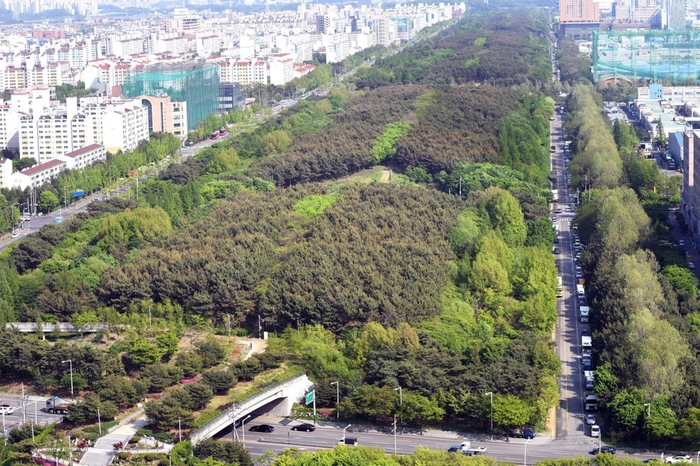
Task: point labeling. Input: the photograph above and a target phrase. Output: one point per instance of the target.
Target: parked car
(526, 432)
(595, 431)
(306, 427)
(679, 459)
(681, 243)
(590, 419)
(262, 428)
(603, 449)
(585, 333)
(557, 251)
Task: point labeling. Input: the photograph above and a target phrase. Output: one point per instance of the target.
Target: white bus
(559, 287)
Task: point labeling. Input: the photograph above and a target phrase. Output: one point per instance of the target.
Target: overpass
(276, 399)
(48, 327)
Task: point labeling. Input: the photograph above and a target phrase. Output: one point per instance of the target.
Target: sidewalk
(102, 453)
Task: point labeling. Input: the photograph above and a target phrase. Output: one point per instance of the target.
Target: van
(585, 312)
(580, 291)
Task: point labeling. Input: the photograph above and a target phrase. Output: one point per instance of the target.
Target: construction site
(647, 54)
(196, 83)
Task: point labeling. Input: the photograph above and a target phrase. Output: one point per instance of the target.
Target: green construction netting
(196, 84)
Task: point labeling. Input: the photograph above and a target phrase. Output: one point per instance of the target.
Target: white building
(5, 173)
(38, 175)
(84, 156)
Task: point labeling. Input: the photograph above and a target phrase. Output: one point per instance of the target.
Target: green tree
(142, 352)
(418, 409)
(220, 381)
(210, 350)
(23, 163)
(200, 393)
(681, 279)
(628, 408)
(510, 411)
(190, 362)
(48, 201)
(506, 216)
(660, 135)
(167, 343)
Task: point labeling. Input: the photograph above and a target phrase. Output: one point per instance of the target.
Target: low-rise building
(84, 156)
(38, 174)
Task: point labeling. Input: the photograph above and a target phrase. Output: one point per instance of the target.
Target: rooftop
(83, 150)
(42, 167)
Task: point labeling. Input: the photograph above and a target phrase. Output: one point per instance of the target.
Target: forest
(439, 279)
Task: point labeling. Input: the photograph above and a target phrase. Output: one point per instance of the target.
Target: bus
(560, 288)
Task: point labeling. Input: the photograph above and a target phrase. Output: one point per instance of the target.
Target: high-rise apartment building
(674, 11)
(578, 11)
(323, 24)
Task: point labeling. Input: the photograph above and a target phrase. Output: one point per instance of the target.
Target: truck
(56, 405)
(585, 312)
(555, 195)
(469, 450)
(591, 406)
(580, 291)
(586, 342)
(525, 432)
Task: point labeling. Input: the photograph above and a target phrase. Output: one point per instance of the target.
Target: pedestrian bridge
(276, 399)
(48, 327)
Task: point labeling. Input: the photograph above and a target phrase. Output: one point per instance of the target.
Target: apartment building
(124, 126)
(5, 173)
(165, 116)
(83, 157)
(38, 174)
(281, 69)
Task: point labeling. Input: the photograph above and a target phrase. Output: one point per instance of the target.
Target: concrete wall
(48, 327)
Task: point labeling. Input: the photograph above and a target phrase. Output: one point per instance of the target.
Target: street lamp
(394, 433)
(70, 362)
(525, 458)
(337, 399)
(400, 403)
(491, 395)
(243, 428)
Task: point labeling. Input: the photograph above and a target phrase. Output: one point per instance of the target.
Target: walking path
(102, 453)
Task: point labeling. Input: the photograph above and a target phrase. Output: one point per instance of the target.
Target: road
(33, 407)
(571, 416)
(328, 436)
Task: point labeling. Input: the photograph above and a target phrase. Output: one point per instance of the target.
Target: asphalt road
(33, 410)
(571, 416)
(327, 437)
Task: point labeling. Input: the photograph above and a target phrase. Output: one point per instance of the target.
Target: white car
(679, 459)
(681, 243)
(6, 409)
(691, 265)
(595, 431)
(590, 419)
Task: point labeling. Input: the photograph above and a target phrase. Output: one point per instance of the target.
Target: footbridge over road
(276, 399)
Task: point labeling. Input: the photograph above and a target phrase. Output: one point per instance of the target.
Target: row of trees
(643, 295)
